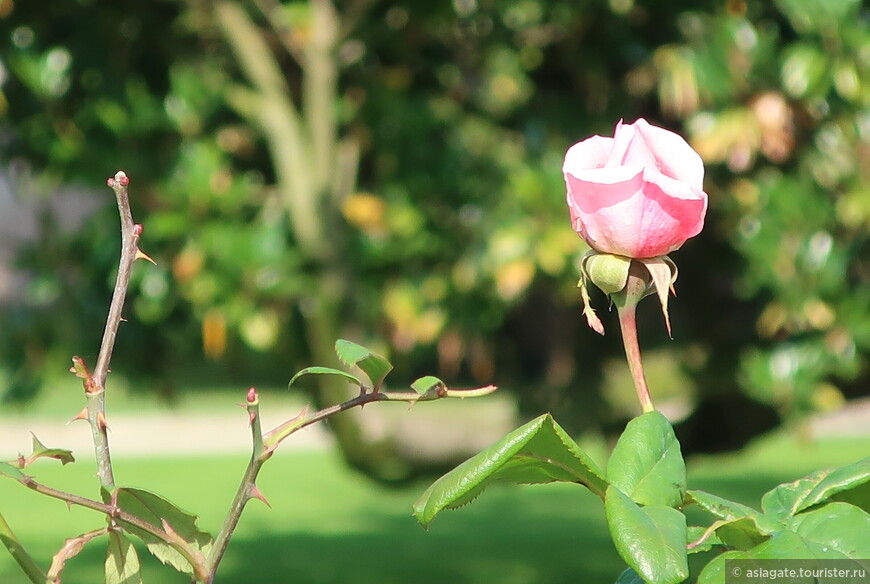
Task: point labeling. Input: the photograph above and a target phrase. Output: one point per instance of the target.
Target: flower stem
(628, 325)
(636, 287)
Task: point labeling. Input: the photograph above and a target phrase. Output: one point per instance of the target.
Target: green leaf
(859, 497)
(122, 561)
(758, 525)
(650, 539)
(839, 529)
(790, 498)
(629, 576)
(741, 534)
(41, 451)
(714, 571)
(7, 470)
(836, 531)
(156, 510)
(427, 384)
(374, 366)
(694, 533)
(538, 452)
(721, 508)
(647, 464)
(324, 371)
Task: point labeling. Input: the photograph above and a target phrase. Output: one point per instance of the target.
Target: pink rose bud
(639, 194)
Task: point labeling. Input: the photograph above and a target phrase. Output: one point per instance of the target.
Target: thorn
(82, 415)
(141, 255)
(122, 319)
(168, 528)
(255, 493)
(101, 422)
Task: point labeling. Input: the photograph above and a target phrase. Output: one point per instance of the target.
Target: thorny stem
(246, 489)
(95, 391)
(24, 559)
(264, 446)
(113, 511)
(278, 434)
(96, 409)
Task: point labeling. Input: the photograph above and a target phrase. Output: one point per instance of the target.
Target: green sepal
(607, 271)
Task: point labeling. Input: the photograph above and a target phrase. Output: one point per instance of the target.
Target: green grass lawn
(330, 525)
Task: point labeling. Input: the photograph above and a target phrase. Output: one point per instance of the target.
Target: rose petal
(630, 148)
(672, 155)
(592, 203)
(590, 153)
(638, 194)
(640, 216)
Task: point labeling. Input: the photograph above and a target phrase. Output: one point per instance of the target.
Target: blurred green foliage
(438, 200)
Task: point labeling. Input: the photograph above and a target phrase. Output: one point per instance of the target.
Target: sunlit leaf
(836, 531)
(122, 561)
(539, 452)
(324, 371)
(650, 539)
(157, 510)
(647, 464)
(731, 511)
(374, 366)
(41, 451)
(790, 498)
(425, 384)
